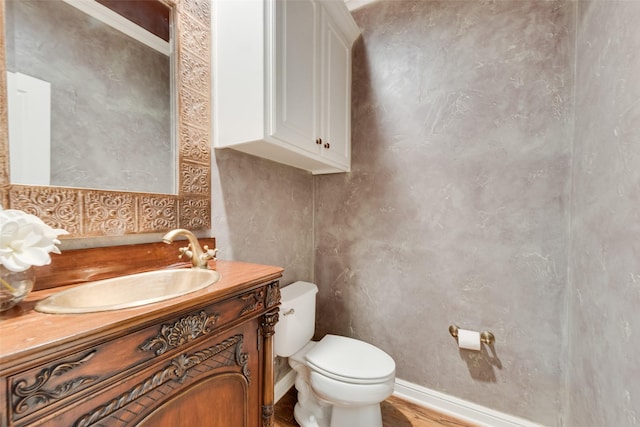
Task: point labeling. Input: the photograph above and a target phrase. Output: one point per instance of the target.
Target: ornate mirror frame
(88, 212)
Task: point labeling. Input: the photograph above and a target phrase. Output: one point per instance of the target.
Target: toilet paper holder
(486, 337)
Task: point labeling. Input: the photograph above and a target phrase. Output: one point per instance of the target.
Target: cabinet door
(218, 401)
(295, 90)
(335, 69)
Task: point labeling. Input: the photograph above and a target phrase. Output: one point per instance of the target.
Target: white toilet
(340, 381)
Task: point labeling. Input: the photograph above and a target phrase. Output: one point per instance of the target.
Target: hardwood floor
(395, 413)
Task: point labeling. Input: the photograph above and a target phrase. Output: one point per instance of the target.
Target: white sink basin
(128, 291)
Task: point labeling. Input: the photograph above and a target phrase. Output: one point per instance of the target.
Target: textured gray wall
(457, 209)
(604, 387)
(263, 213)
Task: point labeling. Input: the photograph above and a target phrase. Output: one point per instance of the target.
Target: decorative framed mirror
(96, 211)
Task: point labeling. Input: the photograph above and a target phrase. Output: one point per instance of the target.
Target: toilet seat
(351, 361)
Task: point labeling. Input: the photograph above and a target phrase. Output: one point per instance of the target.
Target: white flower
(25, 240)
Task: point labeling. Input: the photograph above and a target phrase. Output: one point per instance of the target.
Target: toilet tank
(297, 319)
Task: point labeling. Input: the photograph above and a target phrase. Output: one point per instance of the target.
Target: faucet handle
(186, 252)
(209, 253)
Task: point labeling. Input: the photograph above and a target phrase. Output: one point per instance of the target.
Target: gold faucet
(198, 256)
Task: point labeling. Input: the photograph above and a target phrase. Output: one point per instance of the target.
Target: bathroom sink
(128, 291)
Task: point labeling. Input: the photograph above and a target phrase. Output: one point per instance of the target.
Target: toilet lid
(351, 360)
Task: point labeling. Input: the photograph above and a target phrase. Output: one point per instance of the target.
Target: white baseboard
(431, 399)
(458, 408)
(284, 385)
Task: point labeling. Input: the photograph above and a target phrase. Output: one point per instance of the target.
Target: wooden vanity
(203, 359)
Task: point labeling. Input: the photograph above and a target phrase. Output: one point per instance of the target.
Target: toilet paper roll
(469, 340)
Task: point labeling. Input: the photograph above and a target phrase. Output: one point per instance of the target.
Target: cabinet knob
(327, 145)
(319, 141)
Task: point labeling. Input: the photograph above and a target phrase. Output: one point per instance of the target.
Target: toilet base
(367, 416)
(360, 416)
(309, 411)
(307, 419)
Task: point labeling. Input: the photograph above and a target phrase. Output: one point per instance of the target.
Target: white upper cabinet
(282, 81)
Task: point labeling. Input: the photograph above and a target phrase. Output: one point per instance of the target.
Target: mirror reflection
(89, 101)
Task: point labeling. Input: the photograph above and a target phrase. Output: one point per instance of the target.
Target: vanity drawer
(57, 383)
(52, 384)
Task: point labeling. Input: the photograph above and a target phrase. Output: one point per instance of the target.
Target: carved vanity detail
(181, 332)
(200, 360)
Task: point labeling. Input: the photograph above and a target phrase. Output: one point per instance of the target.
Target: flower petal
(25, 240)
(33, 256)
(13, 264)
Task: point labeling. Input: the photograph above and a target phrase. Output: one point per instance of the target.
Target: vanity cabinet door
(221, 391)
(195, 406)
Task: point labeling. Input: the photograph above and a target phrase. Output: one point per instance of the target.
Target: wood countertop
(28, 334)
